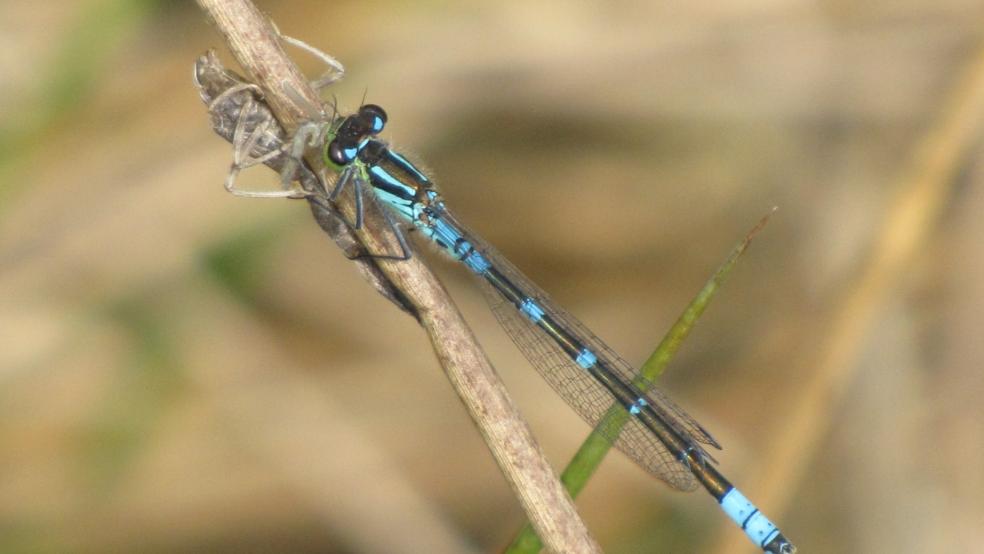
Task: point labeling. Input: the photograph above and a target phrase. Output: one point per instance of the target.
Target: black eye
(341, 155)
(374, 116)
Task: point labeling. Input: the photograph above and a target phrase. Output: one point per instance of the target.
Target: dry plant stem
(254, 44)
(924, 186)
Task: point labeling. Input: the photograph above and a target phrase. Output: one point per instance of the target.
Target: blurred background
(186, 371)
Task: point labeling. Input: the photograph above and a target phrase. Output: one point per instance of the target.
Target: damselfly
(589, 375)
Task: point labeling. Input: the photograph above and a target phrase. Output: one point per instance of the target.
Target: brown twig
(255, 45)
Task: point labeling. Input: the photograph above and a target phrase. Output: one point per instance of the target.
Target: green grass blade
(589, 456)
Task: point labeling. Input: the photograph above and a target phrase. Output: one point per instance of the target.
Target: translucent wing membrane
(585, 395)
(579, 389)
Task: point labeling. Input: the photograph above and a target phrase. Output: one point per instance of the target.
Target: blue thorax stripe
(405, 165)
(381, 179)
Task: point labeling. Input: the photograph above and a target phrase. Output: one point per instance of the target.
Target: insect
(589, 375)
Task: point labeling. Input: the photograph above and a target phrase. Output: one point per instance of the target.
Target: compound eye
(374, 116)
(341, 155)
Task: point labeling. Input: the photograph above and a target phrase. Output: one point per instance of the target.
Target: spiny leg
(348, 174)
(335, 68)
(351, 174)
(243, 144)
(308, 135)
(405, 252)
(237, 88)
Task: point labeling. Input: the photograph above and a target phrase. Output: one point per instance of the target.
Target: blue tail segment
(745, 514)
(758, 527)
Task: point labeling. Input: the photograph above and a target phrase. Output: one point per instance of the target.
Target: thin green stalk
(596, 446)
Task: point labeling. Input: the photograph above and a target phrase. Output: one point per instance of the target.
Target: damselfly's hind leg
(351, 175)
(348, 175)
(405, 252)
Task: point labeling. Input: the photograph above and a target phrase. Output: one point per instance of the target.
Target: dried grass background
(181, 370)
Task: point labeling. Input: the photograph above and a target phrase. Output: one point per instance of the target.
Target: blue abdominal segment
(749, 518)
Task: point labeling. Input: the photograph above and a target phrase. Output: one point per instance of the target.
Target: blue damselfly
(588, 374)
